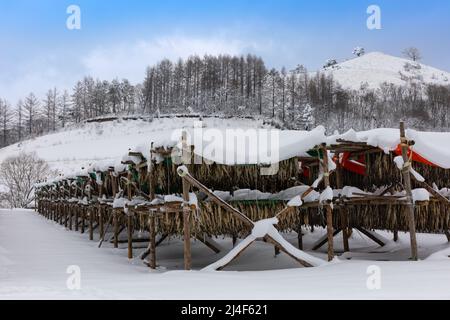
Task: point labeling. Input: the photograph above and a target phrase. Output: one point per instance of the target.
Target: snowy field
(35, 254)
(70, 149)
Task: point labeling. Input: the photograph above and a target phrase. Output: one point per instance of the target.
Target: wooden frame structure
(114, 201)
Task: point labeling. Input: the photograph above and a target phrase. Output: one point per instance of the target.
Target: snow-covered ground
(375, 68)
(70, 149)
(35, 254)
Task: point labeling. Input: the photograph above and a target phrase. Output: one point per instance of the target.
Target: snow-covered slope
(71, 149)
(376, 68)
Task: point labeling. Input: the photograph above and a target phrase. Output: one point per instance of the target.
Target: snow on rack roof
(433, 146)
(240, 146)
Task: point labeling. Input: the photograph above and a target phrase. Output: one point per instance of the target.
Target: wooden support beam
(152, 244)
(61, 213)
(324, 239)
(371, 236)
(151, 175)
(277, 250)
(186, 157)
(186, 226)
(395, 235)
(70, 209)
(277, 244)
(100, 220)
(241, 246)
(300, 236)
(116, 227)
(233, 241)
(83, 219)
(343, 210)
(209, 243)
(326, 179)
(102, 237)
(129, 215)
(407, 183)
(76, 208)
(130, 235)
(158, 242)
(65, 215)
(91, 223)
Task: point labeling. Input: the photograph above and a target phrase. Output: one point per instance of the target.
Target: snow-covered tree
(412, 53)
(359, 51)
(330, 63)
(307, 117)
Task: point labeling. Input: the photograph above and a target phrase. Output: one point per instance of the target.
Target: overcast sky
(120, 38)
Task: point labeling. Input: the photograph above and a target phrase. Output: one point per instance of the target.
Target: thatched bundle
(432, 217)
(229, 178)
(381, 170)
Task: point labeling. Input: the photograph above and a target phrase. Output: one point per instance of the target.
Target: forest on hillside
(230, 85)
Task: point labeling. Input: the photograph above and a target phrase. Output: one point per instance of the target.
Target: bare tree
(30, 107)
(19, 174)
(64, 104)
(412, 53)
(6, 116)
(19, 116)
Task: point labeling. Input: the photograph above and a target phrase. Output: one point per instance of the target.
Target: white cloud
(37, 75)
(63, 69)
(130, 60)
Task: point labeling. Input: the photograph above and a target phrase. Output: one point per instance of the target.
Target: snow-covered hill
(376, 68)
(70, 149)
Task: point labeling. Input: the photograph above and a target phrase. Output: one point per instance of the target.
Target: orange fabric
(415, 156)
(359, 166)
(356, 166)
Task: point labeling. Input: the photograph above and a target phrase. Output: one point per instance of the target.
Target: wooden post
(277, 250)
(129, 218)
(343, 210)
(76, 207)
(151, 175)
(186, 210)
(326, 179)
(130, 234)
(83, 218)
(91, 223)
(100, 219)
(409, 199)
(65, 215)
(152, 244)
(60, 210)
(70, 208)
(447, 234)
(395, 235)
(151, 221)
(116, 228)
(300, 236)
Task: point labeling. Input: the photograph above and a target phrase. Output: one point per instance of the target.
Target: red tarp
(359, 166)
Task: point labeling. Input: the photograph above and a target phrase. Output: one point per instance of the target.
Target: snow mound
(375, 68)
